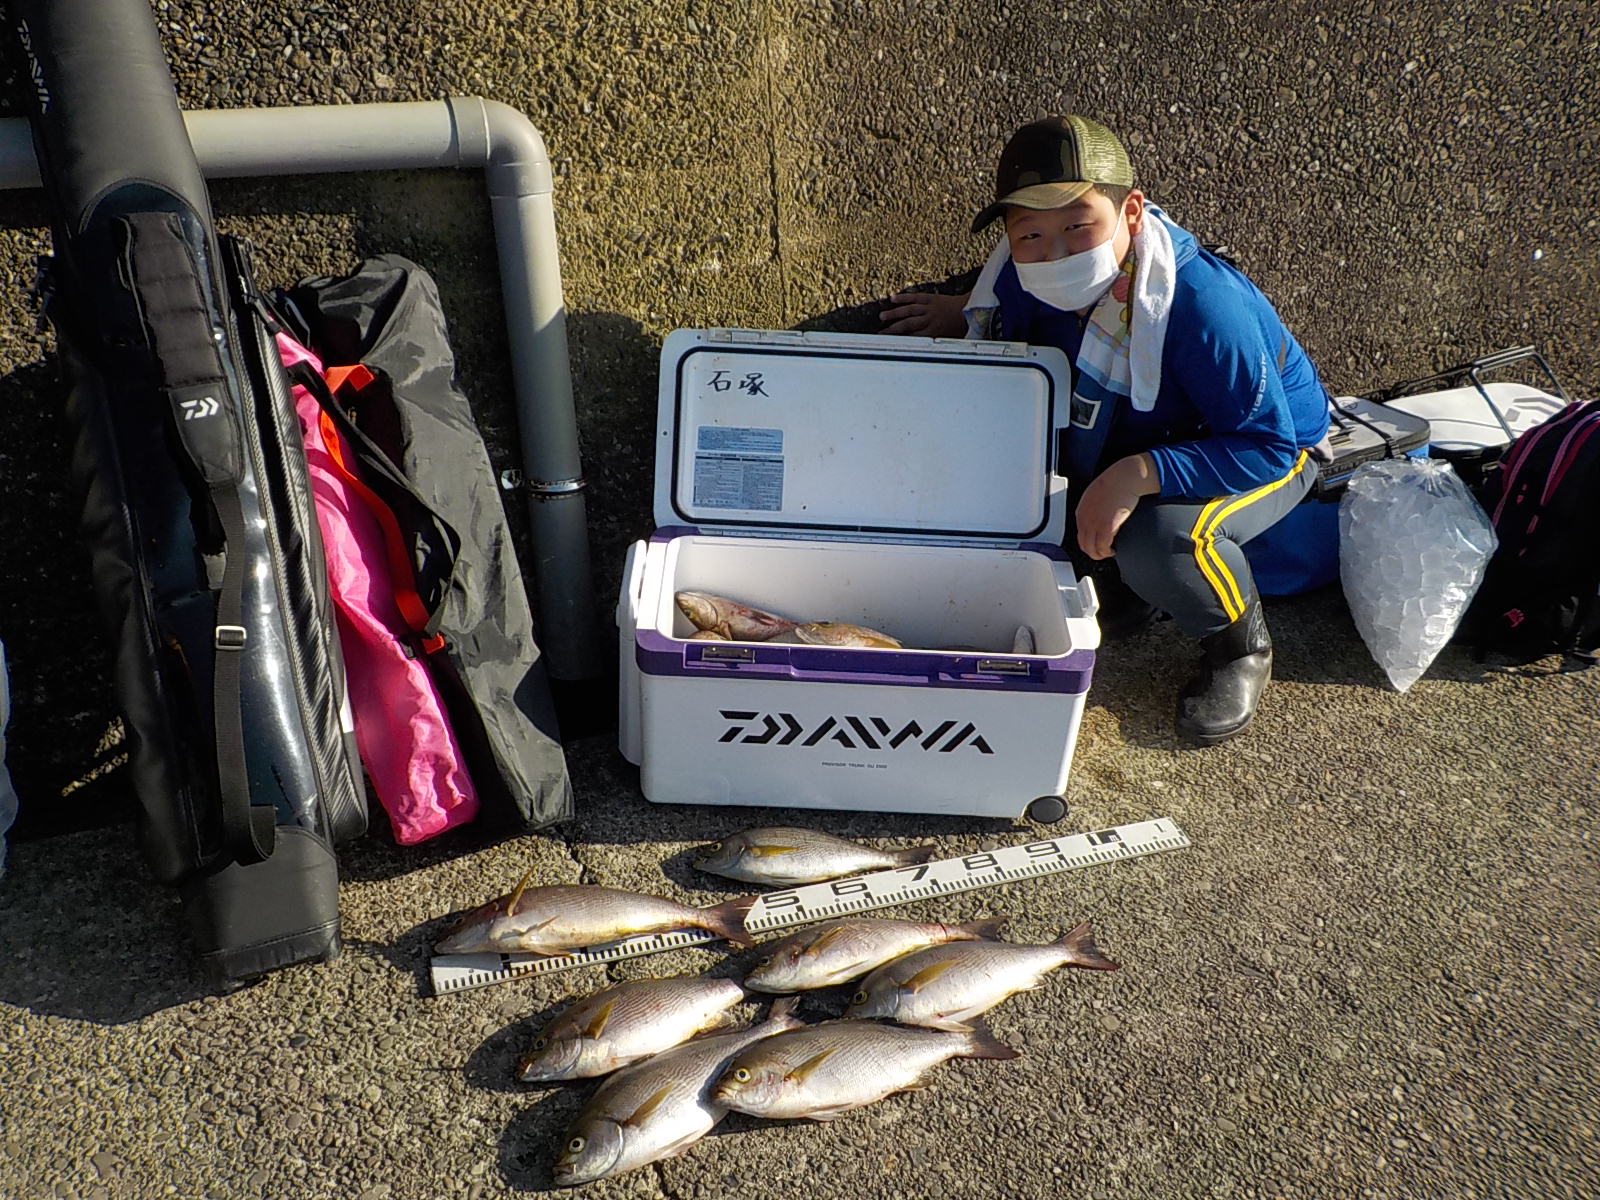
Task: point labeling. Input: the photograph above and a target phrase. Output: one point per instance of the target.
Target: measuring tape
(841, 897)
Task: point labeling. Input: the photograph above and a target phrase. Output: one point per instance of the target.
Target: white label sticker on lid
(732, 439)
(738, 467)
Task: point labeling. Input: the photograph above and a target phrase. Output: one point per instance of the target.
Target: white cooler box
(905, 484)
(1472, 423)
(1469, 420)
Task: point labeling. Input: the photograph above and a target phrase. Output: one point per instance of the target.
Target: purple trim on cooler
(1050, 550)
(658, 654)
(665, 533)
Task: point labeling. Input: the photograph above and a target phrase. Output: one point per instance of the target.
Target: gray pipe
(464, 132)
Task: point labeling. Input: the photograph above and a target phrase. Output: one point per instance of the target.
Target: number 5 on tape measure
(841, 897)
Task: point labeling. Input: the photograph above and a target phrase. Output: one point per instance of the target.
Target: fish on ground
(555, 918)
(624, 1023)
(735, 621)
(824, 1070)
(844, 635)
(657, 1108)
(846, 948)
(944, 987)
(786, 855)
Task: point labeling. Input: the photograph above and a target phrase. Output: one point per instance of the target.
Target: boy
(1196, 419)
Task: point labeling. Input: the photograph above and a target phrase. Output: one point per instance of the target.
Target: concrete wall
(1412, 184)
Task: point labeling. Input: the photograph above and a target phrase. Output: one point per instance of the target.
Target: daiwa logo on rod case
(853, 733)
(35, 71)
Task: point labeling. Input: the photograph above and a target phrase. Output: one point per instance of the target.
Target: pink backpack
(406, 744)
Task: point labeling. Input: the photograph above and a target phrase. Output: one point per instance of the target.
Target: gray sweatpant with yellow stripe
(1183, 555)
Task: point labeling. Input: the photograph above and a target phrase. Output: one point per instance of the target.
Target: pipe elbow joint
(505, 143)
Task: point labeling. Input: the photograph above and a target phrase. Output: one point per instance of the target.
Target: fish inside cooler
(928, 597)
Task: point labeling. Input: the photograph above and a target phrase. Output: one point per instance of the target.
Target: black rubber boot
(1220, 700)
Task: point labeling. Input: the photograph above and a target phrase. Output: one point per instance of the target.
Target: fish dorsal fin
(597, 1023)
(516, 892)
(824, 938)
(928, 974)
(771, 850)
(799, 1074)
(652, 1102)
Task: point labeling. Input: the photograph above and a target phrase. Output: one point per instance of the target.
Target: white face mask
(1077, 280)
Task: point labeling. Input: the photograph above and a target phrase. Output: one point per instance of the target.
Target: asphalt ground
(1374, 973)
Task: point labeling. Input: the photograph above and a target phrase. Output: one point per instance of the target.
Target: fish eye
(714, 847)
(540, 1043)
(576, 1145)
(742, 1075)
(765, 962)
(859, 998)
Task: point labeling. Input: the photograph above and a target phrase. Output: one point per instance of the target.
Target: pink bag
(404, 737)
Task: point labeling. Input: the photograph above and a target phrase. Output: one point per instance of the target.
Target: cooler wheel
(1047, 810)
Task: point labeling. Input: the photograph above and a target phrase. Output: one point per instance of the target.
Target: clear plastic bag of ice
(1413, 544)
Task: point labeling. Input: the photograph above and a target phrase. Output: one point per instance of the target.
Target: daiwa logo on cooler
(852, 733)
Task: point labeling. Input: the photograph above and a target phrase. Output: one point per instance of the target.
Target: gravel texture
(1376, 972)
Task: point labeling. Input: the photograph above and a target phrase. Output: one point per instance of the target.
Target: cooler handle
(631, 595)
(1078, 597)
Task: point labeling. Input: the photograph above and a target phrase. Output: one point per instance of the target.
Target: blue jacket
(1239, 397)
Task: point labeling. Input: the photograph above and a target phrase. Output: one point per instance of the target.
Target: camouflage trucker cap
(1051, 163)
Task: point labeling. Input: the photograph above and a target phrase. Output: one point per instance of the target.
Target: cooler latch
(1002, 666)
(727, 654)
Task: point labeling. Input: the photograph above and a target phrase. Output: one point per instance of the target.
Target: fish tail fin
(1078, 942)
(983, 1044)
(912, 855)
(726, 920)
(987, 930)
(784, 1008)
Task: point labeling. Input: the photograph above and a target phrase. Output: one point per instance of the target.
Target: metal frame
(1473, 370)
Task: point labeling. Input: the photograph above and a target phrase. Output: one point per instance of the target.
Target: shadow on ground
(64, 744)
(492, 1066)
(527, 1145)
(92, 916)
(1315, 641)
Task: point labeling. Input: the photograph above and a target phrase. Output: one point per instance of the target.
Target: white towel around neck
(1155, 279)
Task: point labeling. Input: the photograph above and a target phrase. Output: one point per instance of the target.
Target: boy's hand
(1110, 499)
(928, 314)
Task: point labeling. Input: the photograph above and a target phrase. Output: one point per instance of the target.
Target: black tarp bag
(205, 554)
(421, 452)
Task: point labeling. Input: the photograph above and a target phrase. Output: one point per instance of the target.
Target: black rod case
(206, 559)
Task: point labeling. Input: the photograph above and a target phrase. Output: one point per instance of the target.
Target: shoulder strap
(165, 280)
(1585, 424)
(1522, 452)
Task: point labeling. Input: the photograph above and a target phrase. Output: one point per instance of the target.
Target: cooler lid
(860, 435)
(1473, 418)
